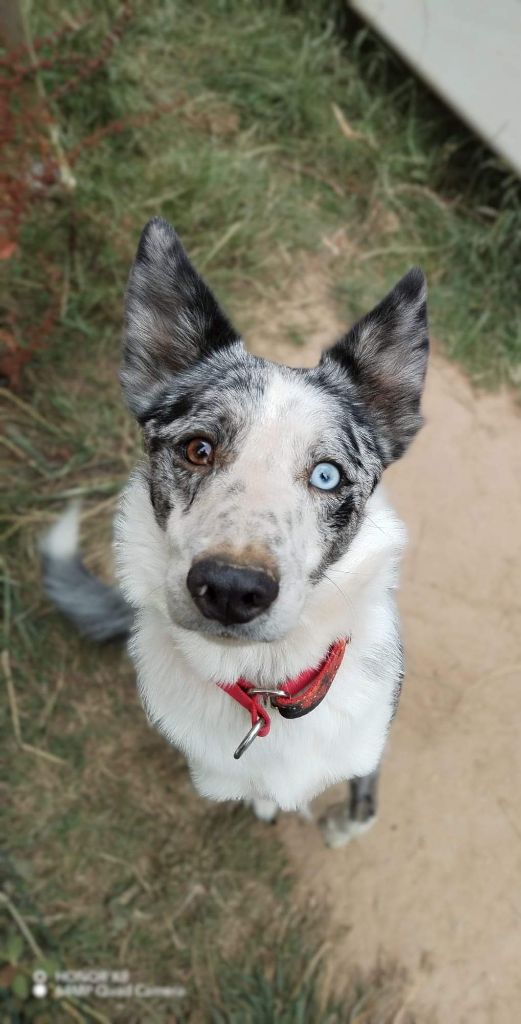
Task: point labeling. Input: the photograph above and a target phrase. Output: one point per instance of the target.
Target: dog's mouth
(247, 633)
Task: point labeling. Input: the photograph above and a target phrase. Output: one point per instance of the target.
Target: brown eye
(199, 451)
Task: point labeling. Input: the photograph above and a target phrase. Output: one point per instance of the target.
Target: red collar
(294, 698)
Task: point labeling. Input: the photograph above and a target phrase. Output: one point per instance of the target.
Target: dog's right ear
(171, 317)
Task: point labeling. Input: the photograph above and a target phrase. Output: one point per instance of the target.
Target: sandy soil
(436, 885)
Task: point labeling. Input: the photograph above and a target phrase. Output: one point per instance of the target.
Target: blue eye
(325, 476)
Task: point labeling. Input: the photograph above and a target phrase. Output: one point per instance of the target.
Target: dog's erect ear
(385, 354)
(171, 317)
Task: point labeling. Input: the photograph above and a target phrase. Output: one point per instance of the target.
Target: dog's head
(259, 474)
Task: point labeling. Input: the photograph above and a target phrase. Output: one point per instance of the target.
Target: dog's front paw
(338, 828)
(265, 810)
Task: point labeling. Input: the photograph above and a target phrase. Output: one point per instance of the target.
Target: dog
(257, 554)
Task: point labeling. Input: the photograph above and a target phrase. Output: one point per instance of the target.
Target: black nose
(230, 593)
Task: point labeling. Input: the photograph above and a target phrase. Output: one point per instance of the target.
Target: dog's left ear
(172, 320)
(385, 354)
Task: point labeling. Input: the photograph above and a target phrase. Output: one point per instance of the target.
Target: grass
(262, 131)
(278, 130)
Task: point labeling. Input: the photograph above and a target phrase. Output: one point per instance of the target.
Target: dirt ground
(436, 885)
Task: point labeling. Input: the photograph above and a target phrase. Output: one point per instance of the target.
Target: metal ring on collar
(249, 738)
(262, 691)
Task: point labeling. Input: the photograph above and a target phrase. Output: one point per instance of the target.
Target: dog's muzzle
(230, 593)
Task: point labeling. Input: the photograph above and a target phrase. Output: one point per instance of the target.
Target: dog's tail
(98, 611)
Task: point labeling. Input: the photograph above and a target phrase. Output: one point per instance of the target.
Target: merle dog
(257, 554)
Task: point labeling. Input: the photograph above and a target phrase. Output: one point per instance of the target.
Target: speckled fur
(186, 374)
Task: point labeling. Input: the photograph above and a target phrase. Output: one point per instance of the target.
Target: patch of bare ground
(435, 885)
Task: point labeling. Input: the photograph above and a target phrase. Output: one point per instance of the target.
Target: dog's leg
(265, 810)
(345, 821)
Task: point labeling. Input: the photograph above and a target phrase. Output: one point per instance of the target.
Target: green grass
(252, 163)
(112, 861)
